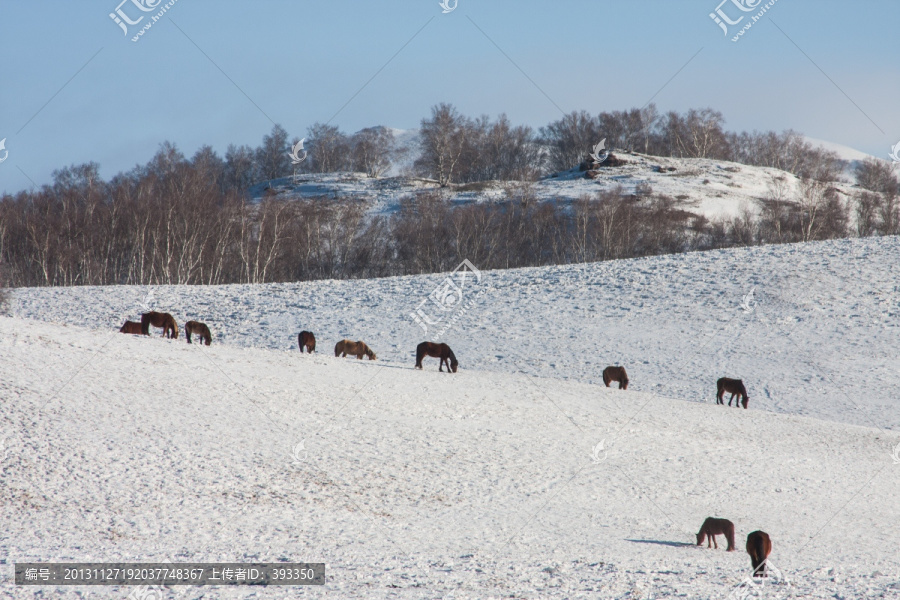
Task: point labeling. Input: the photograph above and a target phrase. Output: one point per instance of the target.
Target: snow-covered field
(488, 483)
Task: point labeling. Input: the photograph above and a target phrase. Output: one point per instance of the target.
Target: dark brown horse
(306, 340)
(759, 546)
(735, 387)
(611, 374)
(158, 319)
(713, 527)
(198, 328)
(358, 349)
(131, 327)
(441, 351)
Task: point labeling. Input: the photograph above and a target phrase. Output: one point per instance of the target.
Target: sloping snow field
(521, 476)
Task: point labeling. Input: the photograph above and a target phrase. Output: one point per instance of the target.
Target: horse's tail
(338, 347)
(756, 547)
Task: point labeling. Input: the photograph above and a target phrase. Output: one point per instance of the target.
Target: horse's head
(454, 365)
(370, 354)
(745, 401)
(700, 537)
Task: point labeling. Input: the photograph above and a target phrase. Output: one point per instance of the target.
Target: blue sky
(74, 88)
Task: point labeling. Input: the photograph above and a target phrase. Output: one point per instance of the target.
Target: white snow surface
(488, 483)
(715, 189)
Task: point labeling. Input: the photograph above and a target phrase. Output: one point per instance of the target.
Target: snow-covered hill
(418, 484)
(713, 188)
(519, 476)
(812, 328)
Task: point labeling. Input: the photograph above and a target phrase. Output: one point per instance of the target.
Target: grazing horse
(199, 329)
(713, 527)
(307, 340)
(759, 546)
(345, 347)
(611, 374)
(733, 386)
(131, 327)
(158, 319)
(441, 351)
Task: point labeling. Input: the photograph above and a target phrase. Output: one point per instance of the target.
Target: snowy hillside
(713, 188)
(851, 156)
(520, 476)
(812, 328)
(412, 484)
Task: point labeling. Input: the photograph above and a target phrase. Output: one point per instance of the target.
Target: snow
(488, 483)
(715, 189)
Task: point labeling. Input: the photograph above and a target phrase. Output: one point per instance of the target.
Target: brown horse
(158, 319)
(735, 387)
(131, 327)
(307, 340)
(198, 328)
(713, 527)
(611, 374)
(441, 351)
(345, 347)
(759, 546)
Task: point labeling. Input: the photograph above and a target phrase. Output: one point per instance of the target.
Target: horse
(345, 347)
(713, 527)
(733, 386)
(307, 340)
(611, 374)
(198, 328)
(441, 351)
(759, 546)
(131, 327)
(158, 319)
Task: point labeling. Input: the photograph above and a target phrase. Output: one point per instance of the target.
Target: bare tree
(329, 149)
(372, 149)
(570, 139)
(272, 158)
(443, 143)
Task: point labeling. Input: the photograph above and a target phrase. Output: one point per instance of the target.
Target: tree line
(181, 221)
(459, 149)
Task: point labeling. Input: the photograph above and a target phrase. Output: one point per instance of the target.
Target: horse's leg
(187, 334)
